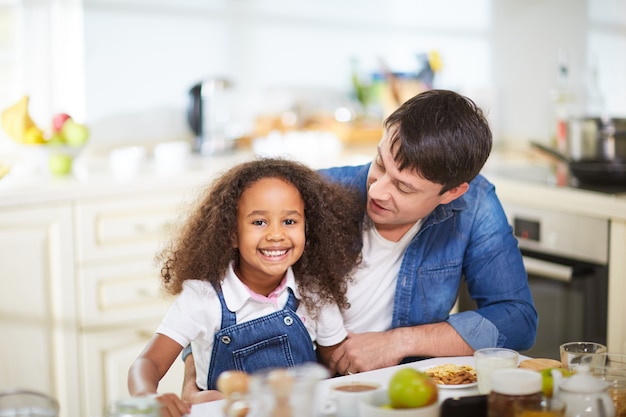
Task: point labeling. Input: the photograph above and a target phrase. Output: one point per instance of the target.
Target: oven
(566, 257)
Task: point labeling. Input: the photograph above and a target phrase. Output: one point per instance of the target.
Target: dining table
(379, 376)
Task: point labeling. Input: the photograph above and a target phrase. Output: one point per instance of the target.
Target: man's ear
(454, 193)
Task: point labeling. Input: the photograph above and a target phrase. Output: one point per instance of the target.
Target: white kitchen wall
(125, 66)
(142, 57)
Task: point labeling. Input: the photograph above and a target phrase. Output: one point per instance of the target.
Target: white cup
(488, 360)
(344, 397)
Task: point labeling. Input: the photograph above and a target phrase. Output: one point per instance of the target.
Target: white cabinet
(120, 300)
(81, 295)
(38, 303)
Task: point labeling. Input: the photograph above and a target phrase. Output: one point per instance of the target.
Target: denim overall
(278, 340)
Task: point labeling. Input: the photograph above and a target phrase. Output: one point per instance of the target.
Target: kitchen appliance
(596, 150)
(209, 113)
(592, 171)
(566, 257)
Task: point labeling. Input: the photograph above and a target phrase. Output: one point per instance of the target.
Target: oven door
(571, 301)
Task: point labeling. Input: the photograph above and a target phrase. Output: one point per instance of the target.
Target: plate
(461, 386)
(449, 386)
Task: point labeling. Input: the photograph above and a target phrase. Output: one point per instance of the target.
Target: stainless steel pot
(596, 139)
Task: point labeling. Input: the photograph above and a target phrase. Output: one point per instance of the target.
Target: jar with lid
(135, 407)
(511, 387)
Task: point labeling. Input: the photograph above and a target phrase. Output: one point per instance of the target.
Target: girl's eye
(290, 222)
(258, 222)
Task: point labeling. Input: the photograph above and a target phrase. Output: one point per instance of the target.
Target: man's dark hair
(441, 135)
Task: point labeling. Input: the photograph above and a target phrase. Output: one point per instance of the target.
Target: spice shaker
(511, 387)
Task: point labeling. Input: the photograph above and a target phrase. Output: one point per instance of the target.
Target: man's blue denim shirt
(470, 239)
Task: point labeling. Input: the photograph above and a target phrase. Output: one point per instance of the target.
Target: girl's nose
(275, 233)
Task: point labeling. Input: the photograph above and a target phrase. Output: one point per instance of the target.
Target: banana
(16, 120)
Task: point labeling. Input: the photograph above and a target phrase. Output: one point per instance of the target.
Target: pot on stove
(597, 139)
(596, 150)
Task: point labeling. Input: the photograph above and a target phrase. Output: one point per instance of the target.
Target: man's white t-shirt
(371, 294)
(196, 315)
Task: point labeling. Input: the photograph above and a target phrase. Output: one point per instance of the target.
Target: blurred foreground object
(24, 403)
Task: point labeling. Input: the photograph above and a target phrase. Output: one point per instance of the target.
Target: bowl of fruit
(410, 393)
(59, 144)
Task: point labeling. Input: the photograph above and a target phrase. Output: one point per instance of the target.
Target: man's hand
(367, 351)
(364, 352)
(203, 396)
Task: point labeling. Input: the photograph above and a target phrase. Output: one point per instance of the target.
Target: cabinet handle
(146, 293)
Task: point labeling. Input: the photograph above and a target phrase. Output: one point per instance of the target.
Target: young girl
(260, 273)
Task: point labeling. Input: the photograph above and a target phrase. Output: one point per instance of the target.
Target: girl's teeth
(273, 252)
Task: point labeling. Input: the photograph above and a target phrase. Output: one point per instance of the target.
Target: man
(432, 221)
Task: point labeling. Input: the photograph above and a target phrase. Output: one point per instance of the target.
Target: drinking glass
(574, 354)
(23, 403)
(547, 407)
(488, 360)
(613, 371)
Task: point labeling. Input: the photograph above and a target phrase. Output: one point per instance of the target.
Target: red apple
(58, 120)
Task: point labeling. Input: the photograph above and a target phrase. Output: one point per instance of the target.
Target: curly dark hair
(333, 214)
(442, 135)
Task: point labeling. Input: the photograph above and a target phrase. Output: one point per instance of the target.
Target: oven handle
(548, 270)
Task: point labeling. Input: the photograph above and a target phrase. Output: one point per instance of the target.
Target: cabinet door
(107, 358)
(37, 307)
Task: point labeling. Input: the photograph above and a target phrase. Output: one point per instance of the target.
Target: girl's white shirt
(196, 315)
(371, 293)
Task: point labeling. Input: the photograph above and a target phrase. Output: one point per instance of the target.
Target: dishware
(490, 359)
(574, 354)
(377, 405)
(585, 395)
(344, 397)
(511, 388)
(24, 403)
(282, 392)
(547, 407)
(135, 407)
(614, 372)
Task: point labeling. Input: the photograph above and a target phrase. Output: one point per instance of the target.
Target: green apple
(75, 134)
(56, 139)
(60, 163)
(410, 388)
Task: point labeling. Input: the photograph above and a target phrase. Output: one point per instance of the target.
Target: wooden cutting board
(539, 364)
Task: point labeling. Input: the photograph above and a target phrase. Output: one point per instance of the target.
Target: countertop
(520, 177)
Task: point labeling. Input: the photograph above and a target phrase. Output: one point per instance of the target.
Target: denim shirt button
(288, 320)
(226, 340)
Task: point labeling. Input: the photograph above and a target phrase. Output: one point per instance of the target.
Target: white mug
(344, 397)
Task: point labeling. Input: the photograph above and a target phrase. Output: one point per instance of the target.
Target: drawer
(120, 293)
(125, 227)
